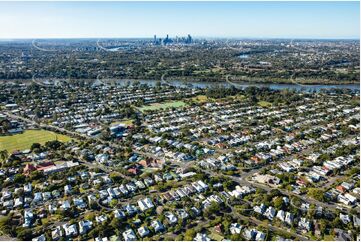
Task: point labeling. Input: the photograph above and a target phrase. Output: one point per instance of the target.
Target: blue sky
(203, 19)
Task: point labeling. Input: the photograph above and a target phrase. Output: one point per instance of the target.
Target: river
(275, 86)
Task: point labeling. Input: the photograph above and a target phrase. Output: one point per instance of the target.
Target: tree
(4, 154)
(115, 177)
(214, 208)
(5, 224)
(54, 144)
(24, 234)
(226, 225)
(113, 203)
(337, 223)
(179, 237)
(278, 203)
(189, 234)
(236, 237)
(116, 223)
(229, 184)
(35, 146)
(275, 192)
(317, 194)
(19, 178)
(35, 175)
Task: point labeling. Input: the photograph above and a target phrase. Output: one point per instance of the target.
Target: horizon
(227, 20)
(194, 37)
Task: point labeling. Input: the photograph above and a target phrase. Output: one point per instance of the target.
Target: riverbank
(265, 80)
(203, 84)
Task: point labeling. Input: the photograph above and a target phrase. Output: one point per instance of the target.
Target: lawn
(124, 121)
(156, 106)
(24, 140)
(328, 238)
(200, 99)
(264, 104)
(214, 235)
(239, 97)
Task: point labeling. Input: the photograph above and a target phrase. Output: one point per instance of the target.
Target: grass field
(156, 106)
(124, 121)
(239, 97)
(200, 99)
(264, 104)
(24, 140)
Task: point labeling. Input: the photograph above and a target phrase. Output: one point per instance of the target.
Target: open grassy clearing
(239, 97)
(24, 140)
(156, 106)
(329, 238)
(214, 235)
(264, 104)
(124, 121)
(200, 98)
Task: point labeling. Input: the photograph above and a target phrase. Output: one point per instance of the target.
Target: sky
(200, 19)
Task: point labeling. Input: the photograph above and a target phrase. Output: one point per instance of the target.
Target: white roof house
(157, 225)
(101, 218)
(119, 214)
(260, 236)
(171, 217)
(28, 218)
(304, 224)
(129, 235)
(289, 218)
(57, 233)
(70, 230)
(235, 228)
(143, 231)
(85, 226)
(201, 237)
(270, 213)
(145, 204)
(281, 215)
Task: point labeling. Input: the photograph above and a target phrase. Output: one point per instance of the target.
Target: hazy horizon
(248, 20)
(194, 36)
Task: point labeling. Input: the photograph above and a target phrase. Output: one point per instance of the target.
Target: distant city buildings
(168, 41)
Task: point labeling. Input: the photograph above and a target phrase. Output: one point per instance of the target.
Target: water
(275, 86)
(244, 56)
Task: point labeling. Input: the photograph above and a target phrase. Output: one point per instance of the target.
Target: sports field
(24, 140)
(155, 106)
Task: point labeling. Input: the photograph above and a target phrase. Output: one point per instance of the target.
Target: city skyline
(320, 20)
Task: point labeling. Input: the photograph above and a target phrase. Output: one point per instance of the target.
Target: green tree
(278, 203)
(5, 224)
(4, 154)
(316, 193)
(35, 146)
(113, 203)
(19, 178)
(24, 234)
(189, 234)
